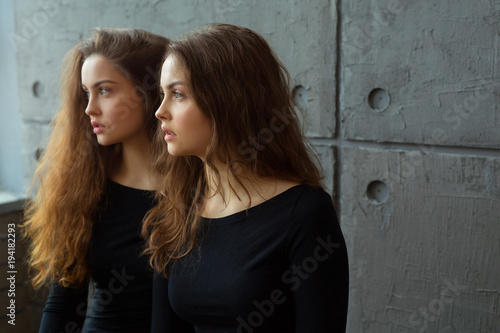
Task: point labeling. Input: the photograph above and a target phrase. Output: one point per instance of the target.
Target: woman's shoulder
(303, 200)
(313, 197)
(312, 217)
(311, 204)
(305, 196)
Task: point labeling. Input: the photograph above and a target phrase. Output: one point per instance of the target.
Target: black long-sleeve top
(280, 266)
(122, 278)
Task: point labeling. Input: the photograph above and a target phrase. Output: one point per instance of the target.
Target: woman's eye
(177, 95)
(104, 91)
(162, 94)
(87, 94)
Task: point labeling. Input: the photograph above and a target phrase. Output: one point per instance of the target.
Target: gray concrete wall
(420, 164)
(401, 100)
(11, 176)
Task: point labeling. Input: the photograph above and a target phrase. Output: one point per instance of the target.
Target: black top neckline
(244, 214)
(128, 188)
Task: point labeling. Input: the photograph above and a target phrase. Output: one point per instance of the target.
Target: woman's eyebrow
(173, 84)
(98, 83)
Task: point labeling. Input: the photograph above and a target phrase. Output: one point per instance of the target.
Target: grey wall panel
(328, 161)
(423, 238)
(34, 141)
(436, 61)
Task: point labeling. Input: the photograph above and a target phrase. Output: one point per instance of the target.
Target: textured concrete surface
(326, 155)
(401, 102)
(11, 176)
(420, 212)
(436, 60)
(423, 243)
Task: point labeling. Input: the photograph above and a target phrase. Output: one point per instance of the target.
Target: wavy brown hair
(71, 175)
(238, 82)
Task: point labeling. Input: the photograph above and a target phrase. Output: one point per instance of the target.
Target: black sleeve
(163, 318)
(318, 266)
(64, 310)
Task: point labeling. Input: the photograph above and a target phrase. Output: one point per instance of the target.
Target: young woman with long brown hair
(244, 231)
(95, 184)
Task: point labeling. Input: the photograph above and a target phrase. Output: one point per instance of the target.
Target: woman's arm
(318, 273)
(64, 310)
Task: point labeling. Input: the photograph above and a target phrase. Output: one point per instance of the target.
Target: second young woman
(244, 231)
(96, 184)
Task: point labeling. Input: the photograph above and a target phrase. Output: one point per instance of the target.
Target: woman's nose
(162, 112)
(91, 109)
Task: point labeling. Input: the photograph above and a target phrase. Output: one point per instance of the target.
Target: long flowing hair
(238, 82)
(71, 175)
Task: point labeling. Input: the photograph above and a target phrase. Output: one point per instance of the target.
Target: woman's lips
(98, 128)
(169, 135)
